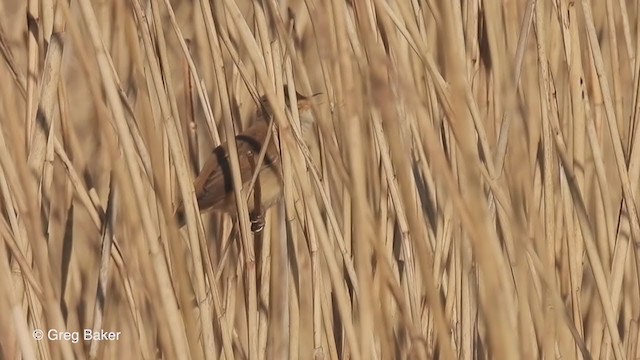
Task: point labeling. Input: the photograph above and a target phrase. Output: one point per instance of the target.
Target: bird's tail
(179, 217)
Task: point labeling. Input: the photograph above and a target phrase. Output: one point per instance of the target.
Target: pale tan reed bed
(472, 195)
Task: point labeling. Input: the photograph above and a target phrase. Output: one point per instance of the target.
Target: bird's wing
(215, 182)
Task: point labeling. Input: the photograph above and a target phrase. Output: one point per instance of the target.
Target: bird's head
(303, 102)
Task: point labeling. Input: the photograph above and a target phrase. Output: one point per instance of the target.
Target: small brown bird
(214, 184)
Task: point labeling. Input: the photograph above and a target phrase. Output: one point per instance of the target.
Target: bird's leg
(257, 215)
(257, 221)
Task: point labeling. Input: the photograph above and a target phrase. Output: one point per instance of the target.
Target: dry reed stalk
(470, 193)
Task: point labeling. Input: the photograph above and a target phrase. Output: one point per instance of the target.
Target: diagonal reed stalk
(470, 193)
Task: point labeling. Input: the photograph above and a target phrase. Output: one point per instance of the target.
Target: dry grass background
(473, 195)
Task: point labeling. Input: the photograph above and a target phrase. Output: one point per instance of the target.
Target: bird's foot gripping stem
(257, 221)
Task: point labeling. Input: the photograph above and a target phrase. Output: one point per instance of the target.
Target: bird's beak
(318, 97)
